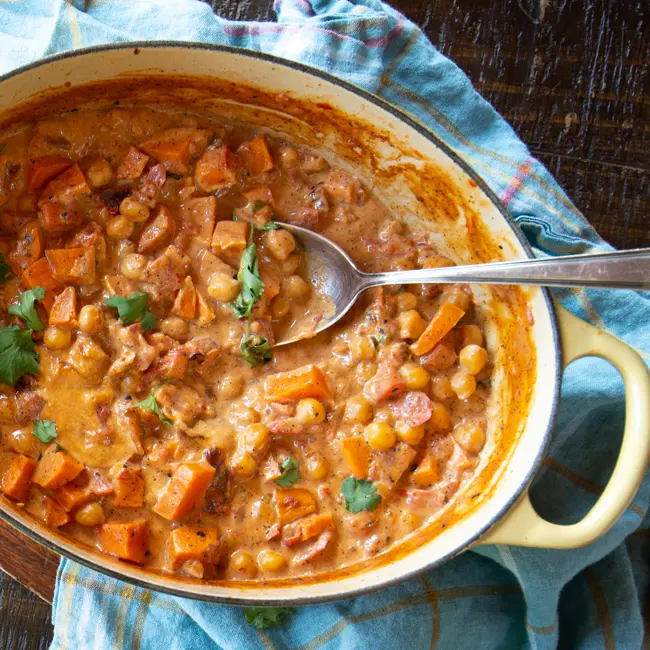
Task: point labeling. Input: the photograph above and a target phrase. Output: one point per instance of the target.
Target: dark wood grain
(573, 79)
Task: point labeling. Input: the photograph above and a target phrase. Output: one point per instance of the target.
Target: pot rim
(50, 540)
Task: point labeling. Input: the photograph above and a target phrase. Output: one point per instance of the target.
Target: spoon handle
(619, 270)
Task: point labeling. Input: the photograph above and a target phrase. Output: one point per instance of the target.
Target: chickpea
(280, 243)
(99, 173)
(222, 287)
(23, 442)
(441, 388)
(470, 335)
(243, 562)
(434, 261)
(310, 411)
(365, 370)
(463, 384)
(358, 410)
(243, 414)
(317, 467)
(409, 520)
(7, 410)
(244, 466)
(380, 436)
(193, 568)
(406, 301)
(91, 319)
(230, 386)
(473, 358)
(273, 561)
(28, 203)
(92, 514)
(119, 228)
(132, 266)
(262, 511)
(280, 307)
(174, 326)
(470, 437)
(414, 375)
(440, 417)
(409, 434)
(257, 436)
(291, 264)
(123, 248)
(56, 338)
(134, 210)
(411, 324)
(362, 348)
(401, 264)
(384, 415)
(295, 288)
(459, 298)
(288, 156)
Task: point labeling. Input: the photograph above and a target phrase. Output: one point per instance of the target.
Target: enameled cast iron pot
(420, 178)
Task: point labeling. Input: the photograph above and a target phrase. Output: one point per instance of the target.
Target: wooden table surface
(571, 76)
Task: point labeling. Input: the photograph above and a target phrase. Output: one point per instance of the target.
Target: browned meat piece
(91, 235)
(180, 403)
(127, 421)
(113, 197)
(414, 408)
(316, 550)
(166, 273)
(387, 381)
(219, 491)
(149, 190)
(387, 467)
(157, 231)
(28, 407)
(133, 350)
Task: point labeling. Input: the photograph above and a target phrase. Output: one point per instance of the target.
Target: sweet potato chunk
(91, 235)
(128, 485)
(56, 217)
(56, 468)
(315, 525)
(216, 169)
(17, 479)
(126, 540)
(357, 454)
(66, 186)
(308, 381)
(184, 489)
(39, 274)
(444, 320)
(132, 164)
(46, 509)
(72, 265)
(28, 247)
(199, 215)
(194, 543)
(157, 231)
(42, 170)
(204, 313)
(293, 503)
(230, 237)
(427, 472)
(64, 310)
(185, 302)
(255, 156)
(175, 148)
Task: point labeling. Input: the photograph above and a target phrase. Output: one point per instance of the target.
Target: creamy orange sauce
(220, 410)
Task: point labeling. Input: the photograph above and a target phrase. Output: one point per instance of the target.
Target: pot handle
(522, 526)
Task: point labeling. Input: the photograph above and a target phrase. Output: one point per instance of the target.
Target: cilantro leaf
(5, 270)
(152, 404)
(17, 355)
(255, 350)
(45, 430)
(26, 308)
(265, 617)
(250, 280)
(134, 307)
(290, 473)
(359, 495)
(3, 148)
(271, 225)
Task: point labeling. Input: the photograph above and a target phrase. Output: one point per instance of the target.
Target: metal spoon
(338, 279)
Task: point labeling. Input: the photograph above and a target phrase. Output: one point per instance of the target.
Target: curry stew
(144, 411)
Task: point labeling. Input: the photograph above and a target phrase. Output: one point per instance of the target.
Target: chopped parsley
(151, 403)
(359, 494)
(45, 430)
(250, 280)
(5, 270)
(26, 308)
(17, 354)
(255, 350)
(264, 617)
(290, 473)
(133, 308)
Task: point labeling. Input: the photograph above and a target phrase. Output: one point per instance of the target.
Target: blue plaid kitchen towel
(496, 597)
